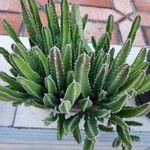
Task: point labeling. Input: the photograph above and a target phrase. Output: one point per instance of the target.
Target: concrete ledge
(7, 114)
(46, 138)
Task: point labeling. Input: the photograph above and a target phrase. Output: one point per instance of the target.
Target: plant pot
(144, 98)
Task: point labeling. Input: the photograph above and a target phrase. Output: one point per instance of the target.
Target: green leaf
(102, 95)
(100, 79)
(50, 85)
(52, 19)
(105, 128)
(67, 58)
(6, 54)
(135, 111)
(65, 106)
(112, 52)
(135, 138)
(36, 64)
(43, 59)
(110, 24)
(121, 77)
(85, 103)
(25, 69)
(91, 73)
(117, 104)
(122, 55)
(47, 39)
(14, 65)
(134, 28)
(84, 20)
(15, 49)
(29, 21)
(31, 87)
(82, 68)
(102, 113)
(80, 49)
(32, 42)
(50, 119)
(124, 147)
(74, 32)
(139, 60)
(112, 75)
(116, 142)
(24, 52)
(14, 72)
(77, 20)
(145, 86)
(5, 90)
(72, 122)
(98, 61)
(5, 96)
(70, 77)
(119, 121)
(94, 42)
(50, 100)
(73, 92)
(77, 135)
(133, 123)
(102, 42)
(65, 23)
(107, 45)
(11, 81)
(134, 82)
(132, 93)
(88, 144)
(91, 126)
(35, 12)
(60, 129)
(123, 135)
(11, 32)
(135, 74)
(57, 70)
(104, 59)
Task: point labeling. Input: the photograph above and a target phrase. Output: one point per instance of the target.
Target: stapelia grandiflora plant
(60, 72)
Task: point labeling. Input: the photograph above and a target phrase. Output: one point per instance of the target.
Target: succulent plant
(74, 81)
